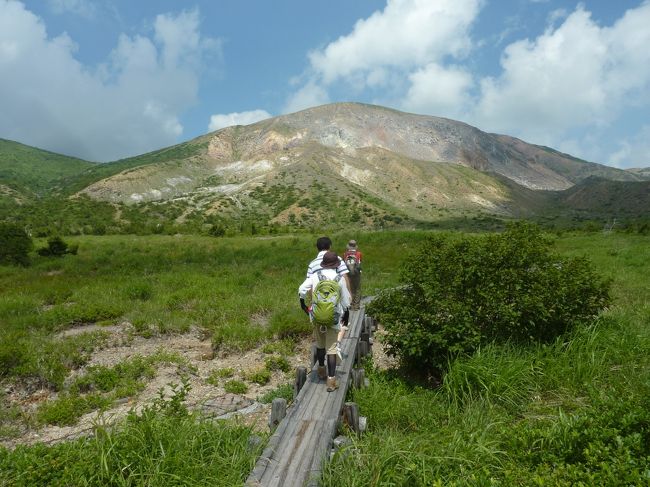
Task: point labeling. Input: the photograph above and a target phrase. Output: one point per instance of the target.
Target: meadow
(572, 412)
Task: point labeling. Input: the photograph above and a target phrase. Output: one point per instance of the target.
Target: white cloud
(236, 118)
(310, 95)
(576, 76)
(406, 34)
(439, 90)
(633, 151)
(128, 105)
(391, 49)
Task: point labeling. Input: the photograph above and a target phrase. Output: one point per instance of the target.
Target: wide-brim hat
(352, 244)
(330, 260)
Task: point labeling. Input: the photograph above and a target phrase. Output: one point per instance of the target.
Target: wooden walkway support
(303, 439)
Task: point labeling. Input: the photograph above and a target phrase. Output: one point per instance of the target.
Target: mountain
(27, 172)
(598, 196)
(398, 157)
(342, 164)
(642, 172)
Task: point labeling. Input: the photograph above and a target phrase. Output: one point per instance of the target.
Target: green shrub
(15, 244)
(459, 293)
(261, 376)
(68, 407)
(286, 346)
(283, 390)
(57, 247)
(277, 363)
(235, 387)
(215, 375)
(140, 291)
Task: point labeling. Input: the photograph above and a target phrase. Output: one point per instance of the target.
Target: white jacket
(310, 283)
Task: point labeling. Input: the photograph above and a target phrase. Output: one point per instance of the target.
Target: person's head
(352, 245)
(323, 243)
(330, 260)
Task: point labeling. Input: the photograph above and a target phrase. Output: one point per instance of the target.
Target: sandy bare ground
(200, 362)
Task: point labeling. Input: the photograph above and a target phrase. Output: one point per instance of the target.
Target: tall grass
(164, 445)
(574, 412)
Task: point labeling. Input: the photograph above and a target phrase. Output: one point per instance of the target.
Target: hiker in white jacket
(326, 336)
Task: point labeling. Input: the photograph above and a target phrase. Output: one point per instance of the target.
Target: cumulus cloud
(129, 104)
(440, 90)
(236, 118)
(405, 34)
(310, 95)
(578, 75)
(405, 44)
(564, 88)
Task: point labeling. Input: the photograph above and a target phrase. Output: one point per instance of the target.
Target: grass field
(574, 412)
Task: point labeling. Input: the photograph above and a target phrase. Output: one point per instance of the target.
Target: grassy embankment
(569, 412)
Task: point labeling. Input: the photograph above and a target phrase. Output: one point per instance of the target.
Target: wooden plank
(295, 452)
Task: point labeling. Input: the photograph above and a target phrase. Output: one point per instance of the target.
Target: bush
(460, 293)
(57, 247)
(261, 376)
(15, 244)
(277, 363)
(235, 387)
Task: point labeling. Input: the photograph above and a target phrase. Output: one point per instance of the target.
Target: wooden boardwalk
(303, 439)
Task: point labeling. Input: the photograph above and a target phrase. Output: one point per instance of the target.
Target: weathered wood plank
(301, 442)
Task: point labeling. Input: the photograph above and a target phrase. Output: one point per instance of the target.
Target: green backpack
(325, 299)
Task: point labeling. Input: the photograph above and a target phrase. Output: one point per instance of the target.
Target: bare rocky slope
(418, 166)
(349, 162)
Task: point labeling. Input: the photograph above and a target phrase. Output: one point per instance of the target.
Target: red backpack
(352, 259)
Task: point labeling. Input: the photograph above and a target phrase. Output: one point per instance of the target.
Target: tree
(461, 292)
(15, 244)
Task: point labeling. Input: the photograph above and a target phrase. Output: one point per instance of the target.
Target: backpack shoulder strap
(320, 275)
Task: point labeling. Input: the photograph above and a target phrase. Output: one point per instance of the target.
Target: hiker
(352, 258)
(324, 296)
(323, 244)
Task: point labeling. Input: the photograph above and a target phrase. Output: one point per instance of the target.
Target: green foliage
(139, 290)
(69, 407)
(283, 390)
(235, 387)
(57, 247)
(15, 244)
(277, 363)
(286, 346)
(99, 386)
(460, 293)
(162, 445)
(261, 376)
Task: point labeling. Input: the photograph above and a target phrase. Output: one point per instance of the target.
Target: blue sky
(109, 79)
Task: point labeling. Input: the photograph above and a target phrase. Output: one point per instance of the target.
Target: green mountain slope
(27, 172)
(598, 196)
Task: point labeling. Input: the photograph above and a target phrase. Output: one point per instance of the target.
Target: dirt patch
(199, 364)
(89, 328)
(197, 355)
(380, 359)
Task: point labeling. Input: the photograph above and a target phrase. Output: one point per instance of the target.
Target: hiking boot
(331, 384)
(322, 372)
